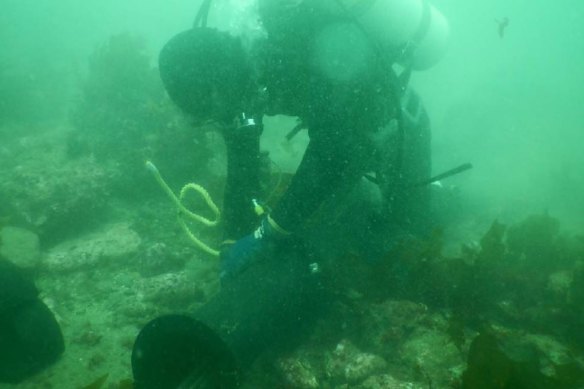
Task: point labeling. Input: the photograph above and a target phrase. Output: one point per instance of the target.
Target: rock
(117, 242)
(434, 354)
(297, 373)
(552, 354)
(57, 196)
(387, 324)
(385, 381)
(158, 258)
(559, 284)
(174, 291)
(362, 366)
(20, 246)
(348, 364)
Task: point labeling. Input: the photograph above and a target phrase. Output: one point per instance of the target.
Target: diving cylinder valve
(414, 27)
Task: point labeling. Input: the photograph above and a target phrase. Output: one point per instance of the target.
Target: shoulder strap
(202, 14)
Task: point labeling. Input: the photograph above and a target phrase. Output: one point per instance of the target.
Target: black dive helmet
(205, 71)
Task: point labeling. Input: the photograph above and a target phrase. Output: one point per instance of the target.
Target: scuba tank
(413, 32)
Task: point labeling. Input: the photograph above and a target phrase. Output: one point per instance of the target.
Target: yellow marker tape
(185, 213)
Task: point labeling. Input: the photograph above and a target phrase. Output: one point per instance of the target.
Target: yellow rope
(183, 211)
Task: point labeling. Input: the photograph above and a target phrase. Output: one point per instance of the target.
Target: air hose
(183, 212)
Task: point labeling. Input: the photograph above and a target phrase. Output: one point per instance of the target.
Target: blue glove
(236, 257)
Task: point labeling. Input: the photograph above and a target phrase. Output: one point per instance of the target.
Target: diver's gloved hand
(236, 257)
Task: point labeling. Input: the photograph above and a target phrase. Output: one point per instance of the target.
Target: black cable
(459, 169)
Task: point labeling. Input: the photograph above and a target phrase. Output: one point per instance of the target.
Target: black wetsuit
(341, 117)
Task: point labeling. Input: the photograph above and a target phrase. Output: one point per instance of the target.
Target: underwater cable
(183, 212)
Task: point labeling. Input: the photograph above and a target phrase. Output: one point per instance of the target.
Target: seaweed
(455, 331)
(491, 366)
(503, 280)
(123, 116)
(574, 313)
(534, 240)
(496, 361)
(506, 278)
(116, 105)
(463, 285)
(492, 247)
(3, 222)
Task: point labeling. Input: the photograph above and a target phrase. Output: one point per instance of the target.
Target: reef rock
(117, 242)
(297, 373)
(348, 364)
(20, 246)
(385, 381)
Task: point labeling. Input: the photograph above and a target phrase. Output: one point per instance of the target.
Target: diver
(329, 65)
(30, 337)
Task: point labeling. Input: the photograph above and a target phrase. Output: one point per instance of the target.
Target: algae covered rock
(349, 364)
(387, 324)
(20, 246)
(433, 353)
(363, 365)
(559, 284)
(117, 242)
(175, 291)
(51, 195)
(297, 373)
(158, 258)
(386, 381)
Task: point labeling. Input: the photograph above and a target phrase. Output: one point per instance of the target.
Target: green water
(82, 108)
